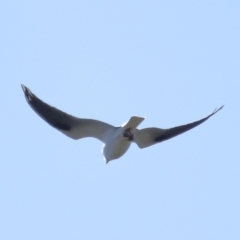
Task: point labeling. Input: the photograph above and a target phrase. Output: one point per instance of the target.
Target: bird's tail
(133, 122)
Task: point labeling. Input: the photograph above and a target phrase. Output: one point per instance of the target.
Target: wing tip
(28, 94)
(217, 109)
(24, 88)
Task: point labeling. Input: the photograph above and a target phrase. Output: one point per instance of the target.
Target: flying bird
(116, 140)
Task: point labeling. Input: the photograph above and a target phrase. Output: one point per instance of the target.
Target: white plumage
(116, 140)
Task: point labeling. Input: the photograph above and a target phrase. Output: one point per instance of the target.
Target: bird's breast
(115, 149)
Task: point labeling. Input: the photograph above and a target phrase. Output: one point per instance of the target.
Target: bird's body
(116, 140)
(115, 146)
(119, 139)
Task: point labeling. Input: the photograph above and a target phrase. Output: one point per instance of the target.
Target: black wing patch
(173, 132)
(51, 115)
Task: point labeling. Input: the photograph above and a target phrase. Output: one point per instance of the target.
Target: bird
(116, 140)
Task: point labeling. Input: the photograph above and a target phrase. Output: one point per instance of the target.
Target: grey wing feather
(71, 126)
(149, 136)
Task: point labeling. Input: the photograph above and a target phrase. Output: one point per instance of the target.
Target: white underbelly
(115, 149)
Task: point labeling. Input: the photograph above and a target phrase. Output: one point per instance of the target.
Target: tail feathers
(133, 122)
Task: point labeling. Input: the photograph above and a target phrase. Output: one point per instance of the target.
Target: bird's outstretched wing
(149, 136)
(71, 126)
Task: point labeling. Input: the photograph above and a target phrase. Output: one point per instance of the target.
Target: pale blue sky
(170, 61)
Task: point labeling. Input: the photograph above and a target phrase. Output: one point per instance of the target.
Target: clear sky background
(173, 62)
